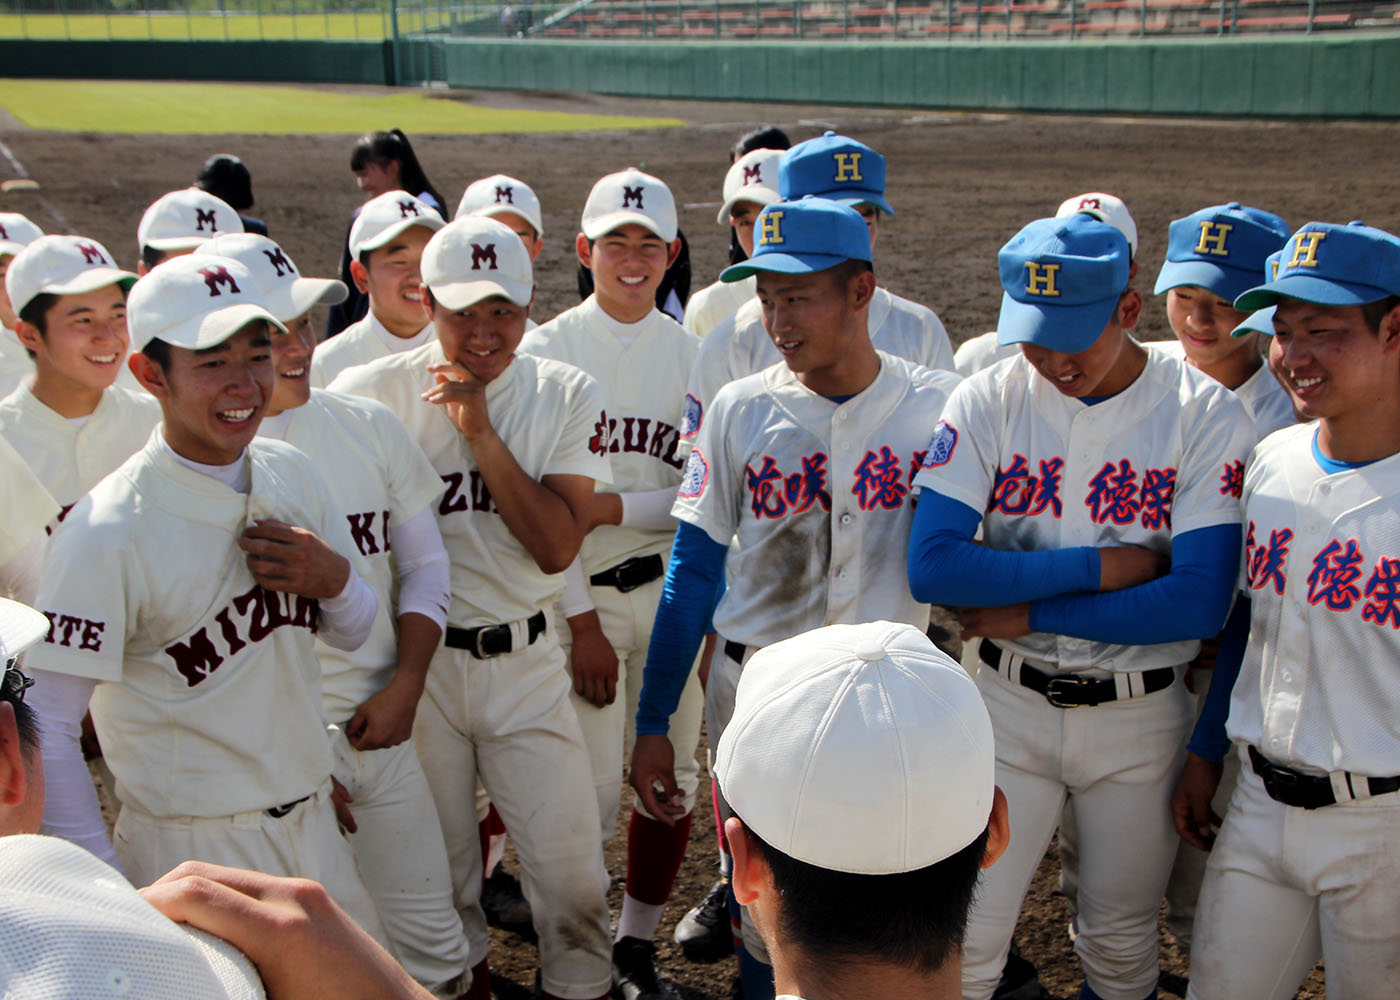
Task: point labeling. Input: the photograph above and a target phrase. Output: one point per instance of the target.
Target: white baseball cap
(71, 926)
(16, 232)
(288, 294)
(184, 219)
(61, 265)
(500, 193)
(20, 627)
(859, 720)
(194, 302)
(384, 217)
(474, 258)
(1106, 208)
(626, 197)
(752, 177)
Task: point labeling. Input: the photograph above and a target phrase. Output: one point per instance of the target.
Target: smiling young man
(69, 421)
(386, 247)
(1307, 862)
(519, 442)
(641, 359)
(1088, 462)
(808, 463)
(186, 592)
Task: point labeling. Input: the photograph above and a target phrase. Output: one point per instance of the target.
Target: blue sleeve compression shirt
(1208, 740)
(1191, 601)
(694, 581)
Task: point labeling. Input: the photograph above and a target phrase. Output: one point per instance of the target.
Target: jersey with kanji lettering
(817, 494)
(70, 459)
(376, 476)
(197, 664)
(740, 345)
(643, 389)
(1164, 456)
(713, 304)
(359, 344)
(550, 415)
(1318, 685)
(27, 506)
(1262, 394)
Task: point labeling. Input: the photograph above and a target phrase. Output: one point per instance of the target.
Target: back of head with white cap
(1107, 208)
(859, 720)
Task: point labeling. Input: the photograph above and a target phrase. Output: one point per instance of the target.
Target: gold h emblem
(847, 167)
(771, 230)
(1212, 239)
(1305, 250)
(1040, 279)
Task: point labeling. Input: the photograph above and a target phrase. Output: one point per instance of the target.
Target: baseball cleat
(704, 933)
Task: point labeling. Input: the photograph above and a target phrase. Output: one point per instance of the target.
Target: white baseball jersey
(1262, 395)
(15, 362)
(818, 495)
(1322, 568)
(643, 387)
(359, 344)
(376, 476)
(70, 460)
(200, 670)
(1165, 456)
(740, 345)
(549, 415)
(27, 506)
(713, 304)
(982, 351)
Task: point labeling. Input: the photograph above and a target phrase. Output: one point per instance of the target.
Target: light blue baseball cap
(833, 166)
(1259, 321)
(1221, 249)
(801, 237)
(1332, 265)
(1062, 279)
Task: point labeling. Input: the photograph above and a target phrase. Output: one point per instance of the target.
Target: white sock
(638, 919)
(495, 851)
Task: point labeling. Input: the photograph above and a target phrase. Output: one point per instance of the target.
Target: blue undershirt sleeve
(693, 581)
(1189, 602)
(1208, 740)
(947, 567)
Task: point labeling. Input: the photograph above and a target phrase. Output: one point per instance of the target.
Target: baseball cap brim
(88, 280)
(597, 228)
(755, 193)
(1259, 321)
(847, 196)
(781, 263)
(307, 293)
(461, 294)
(212, 329)
(1063, 329)
(496, 211)
(1306, 288)
(8, 248)
(176, 242)
(1225, 282)
(431, 220)
(20, 627)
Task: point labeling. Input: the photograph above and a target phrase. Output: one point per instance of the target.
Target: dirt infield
(961, 184)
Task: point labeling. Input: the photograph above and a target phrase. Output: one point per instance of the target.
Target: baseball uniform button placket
(1074, 690)
(630, 574)
(1315, 791)
(486, 641)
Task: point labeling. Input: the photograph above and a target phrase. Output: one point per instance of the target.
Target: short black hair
(159, 352)
(37, 308)
(915, 920)
(150, 256)
(848, 269)
(12, 690)
(762, 137)
(226, 177)
(1374, 312)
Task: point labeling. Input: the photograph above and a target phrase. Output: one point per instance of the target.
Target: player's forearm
(418, 641)
(347, 618)
(1209, 740)
(540, 519)
(947, 567)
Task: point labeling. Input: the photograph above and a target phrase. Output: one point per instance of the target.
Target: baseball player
(983, 351)
(380, 479)
(186, 597)
(178, 221)
(853, 174)
(750, 184)
(28, 511)
(519, 442)
(1305, 862)
(16, 232)
(386, 244)
(70, 422)
(870, 720)
(808, 463)
(1086, 460)
(641, 359)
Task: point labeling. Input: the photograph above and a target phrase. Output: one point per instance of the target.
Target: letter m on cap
(1040, 279)
(484, 255)
(91, 255)
(753, 174)
(407, 208)
(632, 196)
(216, 276)
(203, 217)
(279, 260)
(505, 195)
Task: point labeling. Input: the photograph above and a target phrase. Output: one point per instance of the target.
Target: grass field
(209, 25)
(238, 109)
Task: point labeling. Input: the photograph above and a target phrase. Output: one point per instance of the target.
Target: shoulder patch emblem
(696, 475)
(940, 449)
(691, 412)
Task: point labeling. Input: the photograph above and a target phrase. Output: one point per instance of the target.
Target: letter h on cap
(1212, 239)
(771, 231)
(1040, 279)
(847, 167)
(1305, 250)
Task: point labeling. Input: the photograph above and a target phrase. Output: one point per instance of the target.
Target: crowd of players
(357, 610)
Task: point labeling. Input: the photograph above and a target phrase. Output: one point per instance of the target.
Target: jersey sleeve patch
(696, 475)
(598, 443)
(940, 449)
(691, 413)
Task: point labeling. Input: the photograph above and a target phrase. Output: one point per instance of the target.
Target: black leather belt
(1313, 791)
(1073, 690)
(491, 640)
(735, 650)
(277, 812)
(630, 573)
